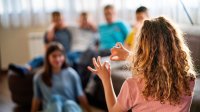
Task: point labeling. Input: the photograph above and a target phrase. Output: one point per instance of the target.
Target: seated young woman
(58, 87)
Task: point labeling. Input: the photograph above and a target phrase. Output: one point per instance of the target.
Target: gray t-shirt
(82, 39)
(62, 36)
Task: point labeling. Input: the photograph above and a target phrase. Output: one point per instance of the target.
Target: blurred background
(23, 23)
(21, 18)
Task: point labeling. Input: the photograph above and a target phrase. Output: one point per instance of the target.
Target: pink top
(130, 96)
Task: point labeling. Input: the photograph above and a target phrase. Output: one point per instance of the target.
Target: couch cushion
(21, 88)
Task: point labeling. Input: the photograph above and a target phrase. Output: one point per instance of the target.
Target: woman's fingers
(95, 63)
(106, 65)
(114, 58)
(111, 57)
(92, 70)
(119, 45)
(113, 54)
(116, 47)
(99, 61)
(112, 49)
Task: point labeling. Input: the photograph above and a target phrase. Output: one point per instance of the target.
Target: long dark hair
(47, 74)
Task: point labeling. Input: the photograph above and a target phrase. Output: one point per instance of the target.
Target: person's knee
(56, 98)
(55, 104)
(71, 106)
(70, 102)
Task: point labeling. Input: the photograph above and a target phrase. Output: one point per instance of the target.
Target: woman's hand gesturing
(102, 70)
(119, 53)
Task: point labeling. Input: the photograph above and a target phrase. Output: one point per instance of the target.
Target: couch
(21, 89)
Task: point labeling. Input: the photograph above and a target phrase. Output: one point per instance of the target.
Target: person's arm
(51, 33)
(119, 53)
(37, 95)
(79, 91)
(84, 103)
(111, 99)
(70, 38)
(103, 71)
(35, 105)
(46, 40)
(93, 27)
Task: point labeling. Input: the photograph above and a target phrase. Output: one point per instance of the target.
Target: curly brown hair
(163, 58)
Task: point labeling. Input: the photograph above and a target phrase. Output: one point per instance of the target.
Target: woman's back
(131, 97)
(162, 58)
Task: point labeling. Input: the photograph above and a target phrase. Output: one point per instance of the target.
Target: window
(36, 12)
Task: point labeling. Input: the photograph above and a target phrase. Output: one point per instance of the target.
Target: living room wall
(14, 45)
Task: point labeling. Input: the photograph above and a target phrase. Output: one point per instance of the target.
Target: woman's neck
(56, 70)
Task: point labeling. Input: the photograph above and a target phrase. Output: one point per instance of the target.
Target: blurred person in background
(84, 46)
(141, 14)
(57, 32)
(112, 31)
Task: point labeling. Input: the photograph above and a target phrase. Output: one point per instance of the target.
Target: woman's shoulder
(135, 78)
(38, 74)
(37, 77)
(70, 72)
(134, 81)
(68, 69)
(134, 85)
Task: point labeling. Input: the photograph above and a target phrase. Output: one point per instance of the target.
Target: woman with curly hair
(163, 77)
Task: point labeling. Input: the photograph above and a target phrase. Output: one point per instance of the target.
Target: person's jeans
(36, 62)
(74, 57)
(58, 104)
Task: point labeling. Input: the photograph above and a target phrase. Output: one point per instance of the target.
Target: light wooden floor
(6, 105)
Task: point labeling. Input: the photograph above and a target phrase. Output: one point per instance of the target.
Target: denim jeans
(36, 62)
(58, 104)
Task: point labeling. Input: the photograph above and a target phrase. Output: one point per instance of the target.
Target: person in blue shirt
(58, 86)
(57, 32)
(111, 32)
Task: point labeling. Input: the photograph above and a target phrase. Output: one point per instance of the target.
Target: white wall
(14, 45)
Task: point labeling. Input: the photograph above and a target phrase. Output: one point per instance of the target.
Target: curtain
(27, 13)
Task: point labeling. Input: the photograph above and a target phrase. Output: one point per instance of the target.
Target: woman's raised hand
(101, 69)
(119, 53)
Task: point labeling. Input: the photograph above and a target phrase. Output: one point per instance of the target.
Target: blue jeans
(58, 104)
(36, 62)
(74, 57)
